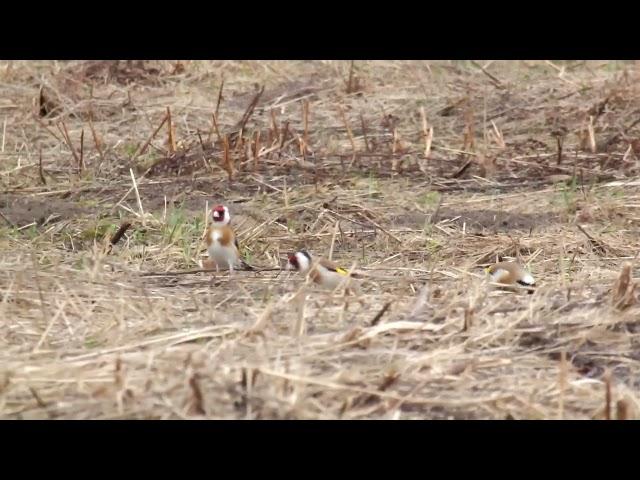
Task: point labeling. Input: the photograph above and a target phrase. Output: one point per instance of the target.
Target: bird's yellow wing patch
(342, 271)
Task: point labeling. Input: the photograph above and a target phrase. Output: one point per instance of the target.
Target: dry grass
(418, 173)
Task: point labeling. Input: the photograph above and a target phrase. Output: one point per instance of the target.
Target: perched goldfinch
(222, 243)
(511, 274)
(321, 271)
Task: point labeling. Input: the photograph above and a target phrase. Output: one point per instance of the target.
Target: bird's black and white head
(300, 261)
(220, 215)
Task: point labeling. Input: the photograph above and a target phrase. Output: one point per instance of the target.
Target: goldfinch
(222, 243)
(511, 274)
(321, 271)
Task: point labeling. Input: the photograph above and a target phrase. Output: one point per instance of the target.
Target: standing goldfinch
(511, 274)
(321, 271)
(222, 243)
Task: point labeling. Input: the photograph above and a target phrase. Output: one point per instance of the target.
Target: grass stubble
(416, 173)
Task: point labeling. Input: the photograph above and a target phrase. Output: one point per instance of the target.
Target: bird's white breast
(216, 236)
(222, 255)
(500, 275)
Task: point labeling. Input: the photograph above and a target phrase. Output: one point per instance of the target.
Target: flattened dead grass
(417, 173)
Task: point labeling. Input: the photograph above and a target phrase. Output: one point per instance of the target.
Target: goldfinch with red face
(321, 271)
(511, 274)
(222, 243)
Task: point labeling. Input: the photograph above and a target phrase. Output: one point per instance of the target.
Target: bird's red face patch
(218, 213)
(293, 260)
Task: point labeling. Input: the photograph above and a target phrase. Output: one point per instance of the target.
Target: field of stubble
(416, 173)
